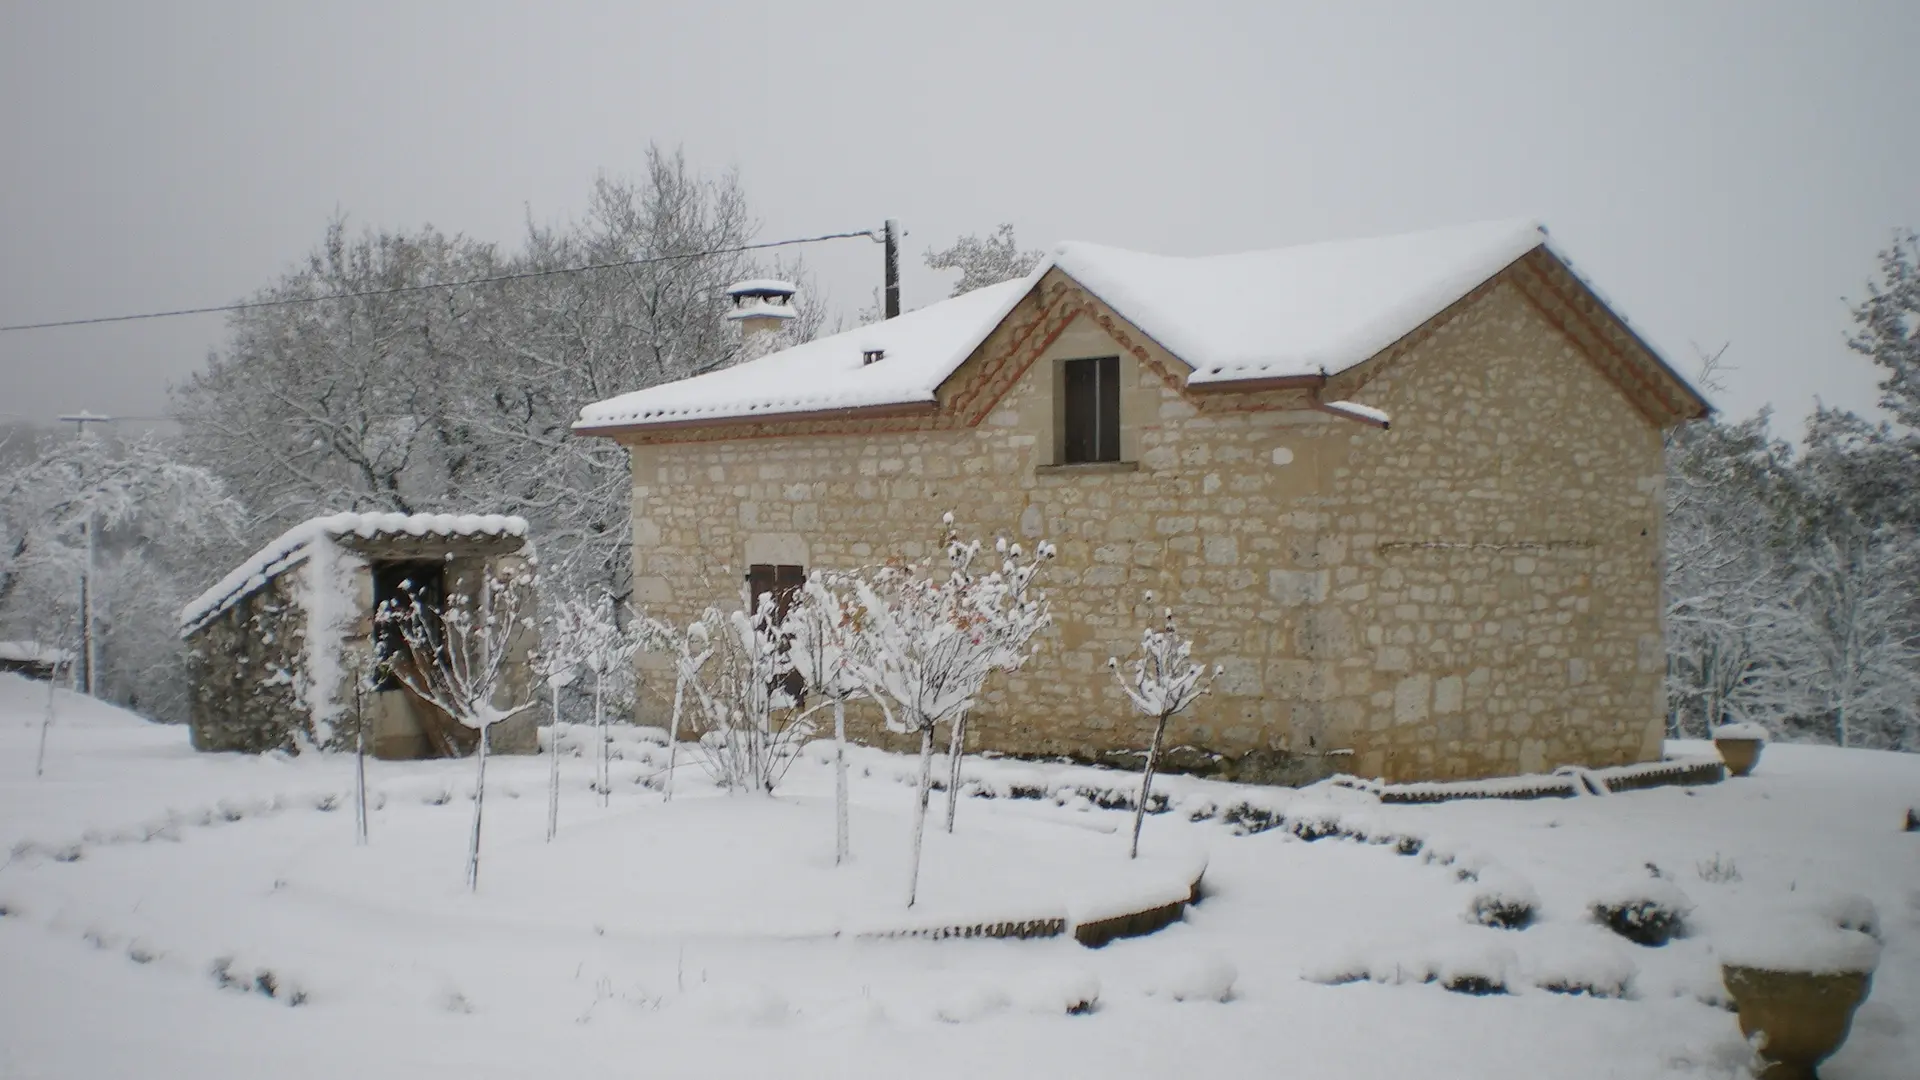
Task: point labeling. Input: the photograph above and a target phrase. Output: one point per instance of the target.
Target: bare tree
(1164, 682)
(455, 657)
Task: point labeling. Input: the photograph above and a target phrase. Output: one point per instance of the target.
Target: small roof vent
(872, 355)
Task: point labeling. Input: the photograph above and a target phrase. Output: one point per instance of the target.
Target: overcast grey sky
(1725, 172)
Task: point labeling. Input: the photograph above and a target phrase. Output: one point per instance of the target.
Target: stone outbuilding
(35, 661)
(1407, 492)
(280, 644)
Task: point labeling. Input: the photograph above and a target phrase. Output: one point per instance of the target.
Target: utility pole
(893, 268)
(80, 420)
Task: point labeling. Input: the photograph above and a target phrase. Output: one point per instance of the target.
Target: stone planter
(1803, 1017)
(1740, 754)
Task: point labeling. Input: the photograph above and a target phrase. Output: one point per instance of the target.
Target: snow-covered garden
(177, 914)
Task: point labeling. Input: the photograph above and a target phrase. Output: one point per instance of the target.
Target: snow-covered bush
(1644, 910)
(931, 641)
(1164, 681)
(1718, 870)
(973, 1001)
(1197, 978)
(1502, 900)
(1851, 911)
(1072, 991)
(730, 669)
(1587, 971)
(454, 655)
(586, 635)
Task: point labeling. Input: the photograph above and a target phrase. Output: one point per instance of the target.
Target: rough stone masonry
(1474, 591)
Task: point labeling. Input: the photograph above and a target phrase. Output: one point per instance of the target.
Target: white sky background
(1725, 172)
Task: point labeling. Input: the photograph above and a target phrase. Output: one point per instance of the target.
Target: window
(1091, 417)
(402, 583)
(783, 583)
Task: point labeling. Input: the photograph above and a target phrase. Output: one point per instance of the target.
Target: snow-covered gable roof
(921, 349)
(1295, 310)
(1313, 309)
(291, 548)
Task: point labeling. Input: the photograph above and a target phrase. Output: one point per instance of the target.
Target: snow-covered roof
(1295, 310)
(32, 652)
(922, 348)
(762, 287)
(290, 548)
(1307, 310)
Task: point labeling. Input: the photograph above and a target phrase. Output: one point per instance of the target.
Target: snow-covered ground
(695, 938)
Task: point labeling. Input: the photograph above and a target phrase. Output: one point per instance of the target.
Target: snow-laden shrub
(1197, 978)
(1593, 972)
(1466, 965)
(230, 974)
(1851, 911)
(1503, 900)
(1069, 991)
(1644, 910)
(1473, 967)
(1718, 870)
(972, 1002)
(1313, 822)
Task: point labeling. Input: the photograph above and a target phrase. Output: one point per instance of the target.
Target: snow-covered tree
(455, 657)
(1164, 679)
(931, 640)
(447, 399)
(731, 671)
(588, 636)
(1728, 581)
(1888, 333)
(161, 528)
(824, 639)
(1861, 654)
(984, 261)
(569, 634)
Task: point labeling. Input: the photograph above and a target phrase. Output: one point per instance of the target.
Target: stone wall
(241, 700)
(1473, 592)
(246, 663)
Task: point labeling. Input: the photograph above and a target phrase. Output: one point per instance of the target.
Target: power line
(523, 275)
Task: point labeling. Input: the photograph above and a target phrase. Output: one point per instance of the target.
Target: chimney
(760, 307)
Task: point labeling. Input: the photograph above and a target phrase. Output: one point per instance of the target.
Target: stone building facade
(276, 649)
(1440, 562)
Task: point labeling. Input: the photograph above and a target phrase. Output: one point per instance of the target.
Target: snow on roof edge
(290, 548)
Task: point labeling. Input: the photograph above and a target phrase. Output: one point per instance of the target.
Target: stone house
(277, 646)
(1407, 492)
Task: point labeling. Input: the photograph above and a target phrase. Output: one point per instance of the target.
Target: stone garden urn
(1739, 746)
(1796, 993)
